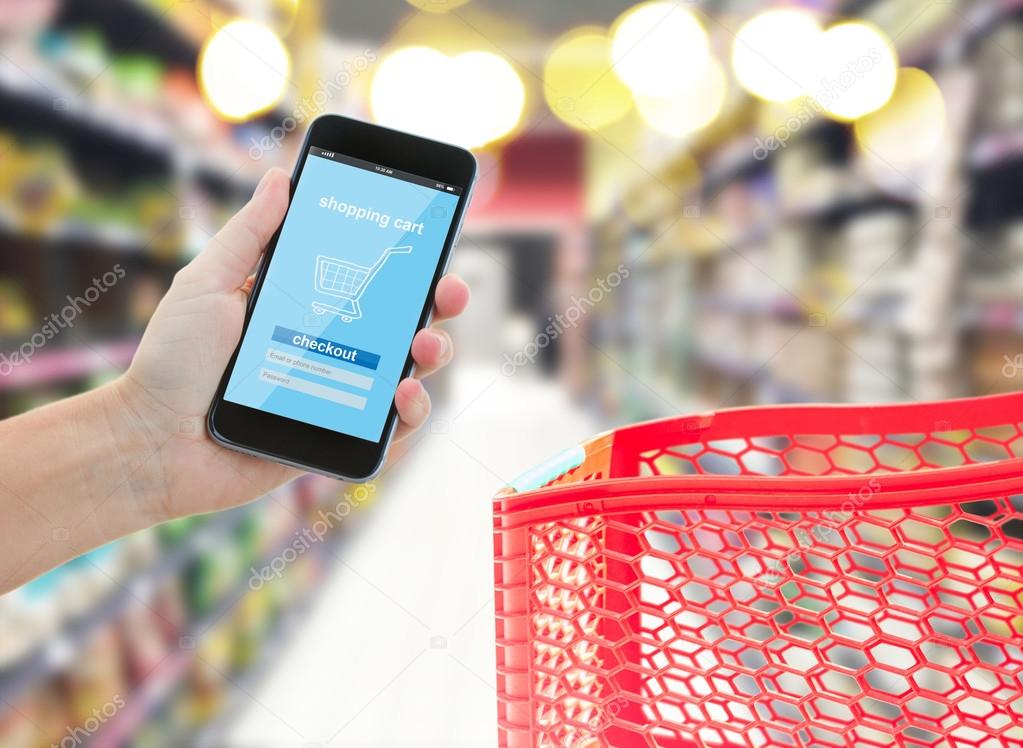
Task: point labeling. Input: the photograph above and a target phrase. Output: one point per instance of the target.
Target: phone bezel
(297, 443)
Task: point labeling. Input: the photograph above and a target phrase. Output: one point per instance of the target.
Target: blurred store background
(681, 206)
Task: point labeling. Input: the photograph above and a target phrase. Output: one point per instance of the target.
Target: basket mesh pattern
(856, 626)
(827, 454)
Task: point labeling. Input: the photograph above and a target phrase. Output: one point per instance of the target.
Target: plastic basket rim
(929, 486)
(754, 493)
(887, 415)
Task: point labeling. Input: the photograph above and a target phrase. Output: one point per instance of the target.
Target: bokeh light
(907, 130)
(692, 108)
(772, 53)
(854, 70)
(659, 48)
(471, 99)
(244, 69)
(403, 89)
(493, 97)
(578, 84)
(437, 6)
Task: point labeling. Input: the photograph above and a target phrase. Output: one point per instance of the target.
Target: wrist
(76, 474)
(135, 433)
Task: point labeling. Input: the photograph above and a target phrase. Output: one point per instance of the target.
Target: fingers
(246, 287)
(231, 255)
(413, 405)
(451, 298)
(431, 349)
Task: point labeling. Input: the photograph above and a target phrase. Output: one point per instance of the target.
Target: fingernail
(443, 344)
(422, 398)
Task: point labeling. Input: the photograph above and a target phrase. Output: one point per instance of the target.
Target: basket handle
(550, 469)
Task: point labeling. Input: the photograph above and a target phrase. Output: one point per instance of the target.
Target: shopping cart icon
(347, 281)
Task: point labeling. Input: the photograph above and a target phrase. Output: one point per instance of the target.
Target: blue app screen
(331, 329)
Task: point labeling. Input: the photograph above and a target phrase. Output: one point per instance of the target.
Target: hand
(186, 347)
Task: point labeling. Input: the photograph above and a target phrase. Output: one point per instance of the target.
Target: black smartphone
(347, 281)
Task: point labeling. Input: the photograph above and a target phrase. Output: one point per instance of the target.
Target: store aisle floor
(394, 654)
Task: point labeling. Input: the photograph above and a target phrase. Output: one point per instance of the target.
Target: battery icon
(450, 189)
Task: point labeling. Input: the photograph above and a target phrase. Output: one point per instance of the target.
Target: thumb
(233, 252)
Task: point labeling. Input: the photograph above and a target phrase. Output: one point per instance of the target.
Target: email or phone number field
(326, 371)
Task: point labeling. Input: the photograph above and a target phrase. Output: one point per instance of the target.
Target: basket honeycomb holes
(695, 622)
(564, 596)
(878, 627)
(827, 454)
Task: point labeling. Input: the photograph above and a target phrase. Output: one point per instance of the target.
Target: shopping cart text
(358, 213)
(327, 348)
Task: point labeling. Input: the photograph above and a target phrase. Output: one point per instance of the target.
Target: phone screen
(343, 293)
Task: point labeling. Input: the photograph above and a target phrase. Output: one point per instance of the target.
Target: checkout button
(327, 348)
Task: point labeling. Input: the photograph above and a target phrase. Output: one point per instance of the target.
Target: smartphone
(346, 282)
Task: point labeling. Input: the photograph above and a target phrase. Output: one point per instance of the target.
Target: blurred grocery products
(804, 265)
(781, 233)
(151, 632)
(113, 173)
(111, 161)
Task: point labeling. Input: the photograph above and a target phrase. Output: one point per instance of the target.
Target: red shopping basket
(785, 576)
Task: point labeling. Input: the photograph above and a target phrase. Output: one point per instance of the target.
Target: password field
(314, 389)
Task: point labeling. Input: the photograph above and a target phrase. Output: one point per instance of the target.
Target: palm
(176, 372)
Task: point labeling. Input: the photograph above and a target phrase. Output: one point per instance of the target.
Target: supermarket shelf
(884, 309)
(155, 691)
(756, 373)
(747, 157)
(141, 25)
(135, 25)
(212, 734)
(739, 240)
(113, 237)
(734, 368)
(780, 392)
(61, 364)
(834, 210)
(993, 150)
(160, 688)
(829, 212)
(776, 308)
(56, 652)
(647, 403)
(56, 102)
(129, 134)
(739, 160)
(980, 18)
(844, 207)
(1004, 316)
